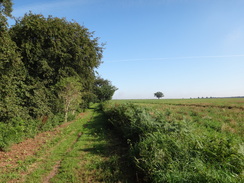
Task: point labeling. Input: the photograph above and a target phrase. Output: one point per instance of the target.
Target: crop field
(226, 115)
(183, 140)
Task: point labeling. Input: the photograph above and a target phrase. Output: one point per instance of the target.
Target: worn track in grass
(77, 151)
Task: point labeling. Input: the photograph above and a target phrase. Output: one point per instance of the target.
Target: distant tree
(103, 89)
(159, 95)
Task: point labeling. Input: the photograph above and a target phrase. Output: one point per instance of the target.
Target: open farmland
(194, 140)
(226, 114)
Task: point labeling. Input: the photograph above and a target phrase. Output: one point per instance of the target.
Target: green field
(146, 141)
(204, 102)
(227, 114)
(183, 140)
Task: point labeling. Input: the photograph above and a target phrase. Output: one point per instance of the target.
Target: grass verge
(83, 151)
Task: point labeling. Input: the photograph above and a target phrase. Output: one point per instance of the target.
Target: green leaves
(53, 48)
(6, 7)
(159, 95)
(12, 74)
(5, 11)
(69, 91)
(46, 66)
(103, 89)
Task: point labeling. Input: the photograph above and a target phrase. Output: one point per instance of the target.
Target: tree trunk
(66, 110)
(66, 116)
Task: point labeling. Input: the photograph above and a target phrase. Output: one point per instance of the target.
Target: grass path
(79, 151)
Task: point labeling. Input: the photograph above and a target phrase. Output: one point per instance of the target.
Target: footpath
(80, 151)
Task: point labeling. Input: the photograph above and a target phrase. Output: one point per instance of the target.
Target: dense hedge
(46, 73)
(176, 151)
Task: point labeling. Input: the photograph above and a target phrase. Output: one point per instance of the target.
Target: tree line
(47, 67)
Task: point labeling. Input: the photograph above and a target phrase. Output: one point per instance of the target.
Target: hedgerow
(18, 129)
(178, 150)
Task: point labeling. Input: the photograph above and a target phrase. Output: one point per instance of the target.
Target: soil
(52, 173)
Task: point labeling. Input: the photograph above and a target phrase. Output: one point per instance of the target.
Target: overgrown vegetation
(165, 148)
(79, 151)
(46, 73)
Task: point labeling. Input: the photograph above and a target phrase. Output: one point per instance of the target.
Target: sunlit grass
(83, 151)
(194, 140)
(228, 112)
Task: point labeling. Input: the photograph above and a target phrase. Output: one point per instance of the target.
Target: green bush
(52, 122)
(17, 129)
(12, 132)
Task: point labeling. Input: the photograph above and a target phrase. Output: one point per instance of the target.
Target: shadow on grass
(117, 166)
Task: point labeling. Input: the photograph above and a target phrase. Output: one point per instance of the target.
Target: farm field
(183, 140)
(227, 114)
(59, 122)
(223, 102)
(197, 140)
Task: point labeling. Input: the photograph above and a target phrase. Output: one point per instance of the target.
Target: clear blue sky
(184, 48)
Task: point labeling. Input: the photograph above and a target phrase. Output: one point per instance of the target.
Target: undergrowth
(177, 150)
(18, 129)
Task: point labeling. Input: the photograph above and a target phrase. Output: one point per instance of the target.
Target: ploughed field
(183, 140)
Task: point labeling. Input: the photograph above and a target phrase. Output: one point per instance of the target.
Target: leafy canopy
(103, 89)
(159, 95)
(53, 48)
(5, 11)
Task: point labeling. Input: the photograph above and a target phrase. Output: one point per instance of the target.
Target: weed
(178, 150)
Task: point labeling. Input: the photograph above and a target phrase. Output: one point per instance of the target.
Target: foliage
(103, 89)
(53, 48)
(46, 71)
(69, 91)
(177, 150)
(5, 11)
(12, 76)
(83, 151)
(159, 95)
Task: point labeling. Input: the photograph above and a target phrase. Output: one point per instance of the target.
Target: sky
(183, 48)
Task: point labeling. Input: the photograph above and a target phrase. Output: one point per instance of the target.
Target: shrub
(17, 129)
(12, 132)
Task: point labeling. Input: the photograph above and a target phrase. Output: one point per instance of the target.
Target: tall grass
(171, 149)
